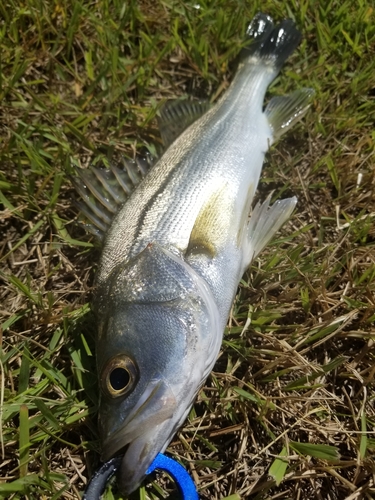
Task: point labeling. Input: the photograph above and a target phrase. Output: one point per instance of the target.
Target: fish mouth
(145, 432)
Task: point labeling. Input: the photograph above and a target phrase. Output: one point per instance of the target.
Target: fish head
(159, 336)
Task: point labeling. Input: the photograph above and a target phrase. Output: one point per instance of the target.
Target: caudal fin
(272, 44)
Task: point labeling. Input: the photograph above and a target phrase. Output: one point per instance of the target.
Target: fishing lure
(184, 483)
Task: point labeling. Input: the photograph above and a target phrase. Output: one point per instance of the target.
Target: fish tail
(271, 44)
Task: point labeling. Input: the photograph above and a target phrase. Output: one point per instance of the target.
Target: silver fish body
(175, 252)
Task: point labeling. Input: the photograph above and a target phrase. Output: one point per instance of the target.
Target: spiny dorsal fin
(284, 111)
(104, 190)
(175, 116)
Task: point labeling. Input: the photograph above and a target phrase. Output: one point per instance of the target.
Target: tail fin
(272, 44)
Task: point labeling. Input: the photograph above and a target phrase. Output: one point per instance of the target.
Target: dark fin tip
(273, 44)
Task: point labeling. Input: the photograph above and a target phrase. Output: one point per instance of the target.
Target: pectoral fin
(212, 224)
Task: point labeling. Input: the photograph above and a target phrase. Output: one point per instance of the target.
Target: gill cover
(159, 336)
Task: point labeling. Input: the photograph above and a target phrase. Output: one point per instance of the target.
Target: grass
(289, 410)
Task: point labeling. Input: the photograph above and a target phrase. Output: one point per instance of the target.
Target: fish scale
(172, 194)
(165, 208)
(175, 252)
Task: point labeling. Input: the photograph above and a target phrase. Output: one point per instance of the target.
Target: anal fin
(284, 111)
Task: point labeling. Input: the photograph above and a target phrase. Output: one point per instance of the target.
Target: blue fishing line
(99, 480)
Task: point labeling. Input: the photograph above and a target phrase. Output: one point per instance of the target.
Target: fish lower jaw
(137, 458)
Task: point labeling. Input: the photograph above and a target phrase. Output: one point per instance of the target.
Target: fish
(177, 235)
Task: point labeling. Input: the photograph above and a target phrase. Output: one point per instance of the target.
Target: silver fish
(176, 250)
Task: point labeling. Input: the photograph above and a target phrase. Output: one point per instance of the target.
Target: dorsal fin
(104, 190)
(175, 116)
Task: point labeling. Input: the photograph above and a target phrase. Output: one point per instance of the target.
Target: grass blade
(24, 441)
(279, 467)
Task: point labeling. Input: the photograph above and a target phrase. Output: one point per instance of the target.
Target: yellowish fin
(211, 227)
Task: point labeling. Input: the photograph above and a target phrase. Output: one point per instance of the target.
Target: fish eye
(119, 376)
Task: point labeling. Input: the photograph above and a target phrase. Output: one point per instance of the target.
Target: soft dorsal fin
(284, 111)
(104, 190)
(175, 116)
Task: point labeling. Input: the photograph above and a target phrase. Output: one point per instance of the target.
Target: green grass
(289, 409)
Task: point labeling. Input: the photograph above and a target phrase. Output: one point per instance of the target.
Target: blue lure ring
(185, 484)
(179, 474)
